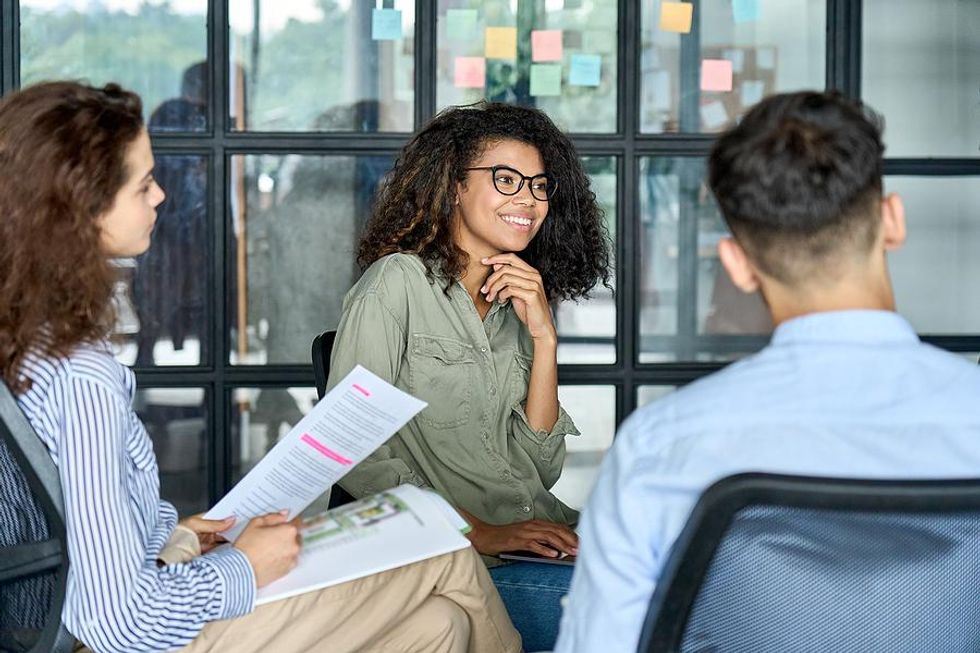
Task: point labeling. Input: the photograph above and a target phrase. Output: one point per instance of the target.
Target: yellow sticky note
(501, 43)
(676, 16)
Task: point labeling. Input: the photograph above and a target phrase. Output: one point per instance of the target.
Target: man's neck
(786, 303)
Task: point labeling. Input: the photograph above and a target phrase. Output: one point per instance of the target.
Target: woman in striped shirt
(76, 190)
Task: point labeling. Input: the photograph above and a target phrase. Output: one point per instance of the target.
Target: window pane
(164, 298)
(309, 65)
(921, 63)
(264, 416)
(587, 329)
(559, 57)
(177, 421)
(937, 273)
(158, 49)
(646, 394)
(593, 408)
(770, 46)
(295, 222)
(689, 310)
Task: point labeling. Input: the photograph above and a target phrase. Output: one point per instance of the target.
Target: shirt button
(493, 390)
(483, 349)
(526, 508)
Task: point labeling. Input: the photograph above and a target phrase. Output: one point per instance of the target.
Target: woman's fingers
(508, 259)
(510, 281)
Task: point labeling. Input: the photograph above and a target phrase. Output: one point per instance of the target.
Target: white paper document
(391, 529)
(350, 422)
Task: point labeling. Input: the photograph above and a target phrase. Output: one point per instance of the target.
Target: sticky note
(501, 43)
(737, 57)
(745, 11)
(676, 16)
(716, 75)
(585, 70)
(765, 58)
(470, 72)
(461, 24)
(386, 24)
(596, 40)
(752, 91)
(713, 115)
(604, 15)
(546, 45)
(545, 79)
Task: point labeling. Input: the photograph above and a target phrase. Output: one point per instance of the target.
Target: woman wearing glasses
(486, 219)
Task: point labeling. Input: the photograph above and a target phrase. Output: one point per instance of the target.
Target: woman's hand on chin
(513, 279)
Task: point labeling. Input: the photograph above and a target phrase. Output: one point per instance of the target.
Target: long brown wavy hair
(62, 161)
(414, 212)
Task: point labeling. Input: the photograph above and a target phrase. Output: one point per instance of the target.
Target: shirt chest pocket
(442, 372)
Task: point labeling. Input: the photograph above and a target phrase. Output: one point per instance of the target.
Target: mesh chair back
(769, 562)
(788, 579)
(33, 557)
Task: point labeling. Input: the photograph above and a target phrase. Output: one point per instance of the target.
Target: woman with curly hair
(485, 221)
(76, 190)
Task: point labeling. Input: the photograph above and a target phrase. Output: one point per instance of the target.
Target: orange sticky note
(716, 75)
(501, 43)
(546, 45)
(676, 16)
(470, 72)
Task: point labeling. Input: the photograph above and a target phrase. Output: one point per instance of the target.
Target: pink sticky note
(470, 72)
(716, 75)
(546, 45)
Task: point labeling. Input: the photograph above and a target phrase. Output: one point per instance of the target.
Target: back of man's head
(798, 181)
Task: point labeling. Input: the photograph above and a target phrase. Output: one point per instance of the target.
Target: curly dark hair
(62, 161)
(415, 205)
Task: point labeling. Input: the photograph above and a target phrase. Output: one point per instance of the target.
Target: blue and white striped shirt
(118, 599)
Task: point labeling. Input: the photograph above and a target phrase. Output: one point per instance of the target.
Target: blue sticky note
(386, 24)
(586, 70)
(745, 11)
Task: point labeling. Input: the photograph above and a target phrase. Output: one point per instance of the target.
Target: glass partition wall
(274, 123)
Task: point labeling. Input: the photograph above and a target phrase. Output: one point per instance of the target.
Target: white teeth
(517, 220)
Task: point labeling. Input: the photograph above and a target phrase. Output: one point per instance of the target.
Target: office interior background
(274, 121)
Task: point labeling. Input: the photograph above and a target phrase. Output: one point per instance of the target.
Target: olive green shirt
(473, 442)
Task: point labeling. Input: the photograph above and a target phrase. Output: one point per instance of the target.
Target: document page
(350, 422)
(391, 529)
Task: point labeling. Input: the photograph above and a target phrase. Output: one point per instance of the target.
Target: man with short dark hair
(844, 388)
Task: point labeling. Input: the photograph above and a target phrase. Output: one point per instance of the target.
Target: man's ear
(737, 265)
(892, 222)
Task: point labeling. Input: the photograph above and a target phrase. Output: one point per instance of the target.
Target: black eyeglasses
(508, 181)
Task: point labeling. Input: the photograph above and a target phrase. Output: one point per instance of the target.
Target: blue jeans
(532, 593)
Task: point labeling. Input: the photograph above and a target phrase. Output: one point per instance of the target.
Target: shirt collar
(854, 326)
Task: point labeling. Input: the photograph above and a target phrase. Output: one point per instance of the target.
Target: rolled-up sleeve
(546, 448)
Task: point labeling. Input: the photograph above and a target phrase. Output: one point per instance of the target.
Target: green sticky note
(545, 79)
(461, 24)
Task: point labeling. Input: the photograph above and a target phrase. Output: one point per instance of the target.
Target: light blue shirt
(851, 393)
(118, 599)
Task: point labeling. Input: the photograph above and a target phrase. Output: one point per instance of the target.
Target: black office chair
(322, 348)
(33, 551)
(801, 565)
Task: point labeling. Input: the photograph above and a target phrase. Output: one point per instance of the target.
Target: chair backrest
(799, 565)
(33, 553)
(322, 348)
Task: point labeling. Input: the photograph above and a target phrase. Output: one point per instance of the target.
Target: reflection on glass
(772, 45)
(295, 220)
(571, 74)
(687, 302)
(593, 408)
(260, 418)
(177, 421)
(936, 274)
(157, 49)
(587, 329)
(309, 65)
(923, 59)
(163, 301)
(646, 394)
